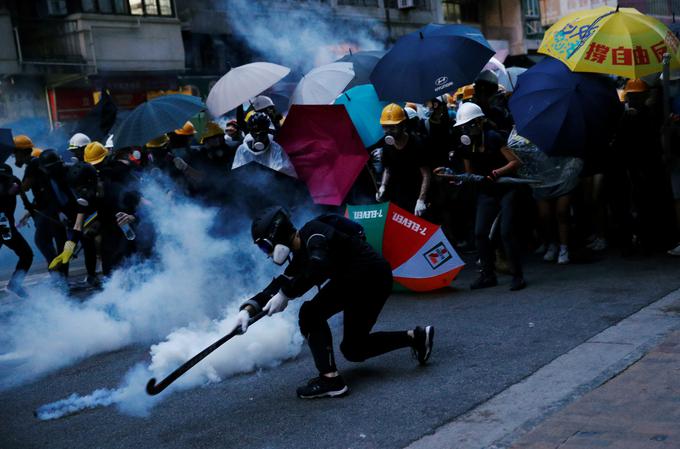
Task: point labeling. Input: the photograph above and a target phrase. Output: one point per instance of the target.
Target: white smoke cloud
(193, 278)
(300, 37)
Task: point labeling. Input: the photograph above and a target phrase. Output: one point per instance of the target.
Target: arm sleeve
(260, 300)
(318, 265)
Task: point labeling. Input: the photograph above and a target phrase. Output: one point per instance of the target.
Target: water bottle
(127, 230)
(5, 229)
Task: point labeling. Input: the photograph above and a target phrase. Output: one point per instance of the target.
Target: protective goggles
(265, 245)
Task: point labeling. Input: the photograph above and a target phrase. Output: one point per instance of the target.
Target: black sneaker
(93, 282)
(323, 387)
(484, 281)
(422, 343)
(518, 283)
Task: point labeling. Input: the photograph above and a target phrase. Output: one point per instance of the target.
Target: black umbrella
(6, 144)
(363, 62)
(99, 121)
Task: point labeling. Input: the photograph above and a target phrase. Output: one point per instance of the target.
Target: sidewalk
(638, 409)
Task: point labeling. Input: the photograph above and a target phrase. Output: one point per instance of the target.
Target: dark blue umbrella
(6, 144)
(155, 118)
(430, 62)
(364, 62)
(565, 113)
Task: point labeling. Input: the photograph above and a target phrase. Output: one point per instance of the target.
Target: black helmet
(271, 227)
(259, 122)
(82, 174)
(49, 161)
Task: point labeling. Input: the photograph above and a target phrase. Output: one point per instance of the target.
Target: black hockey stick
(153, 388)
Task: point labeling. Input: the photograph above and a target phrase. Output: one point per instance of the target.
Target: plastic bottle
(4, 227)
(127, 230)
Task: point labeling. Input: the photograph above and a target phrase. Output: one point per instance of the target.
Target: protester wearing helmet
(259, 146)
(95, 153)
(77, 144)
(10, 187)
(406, 175)
(262, 103)
(329, 251)
(484, 153)
(24, 150)
(493, 102)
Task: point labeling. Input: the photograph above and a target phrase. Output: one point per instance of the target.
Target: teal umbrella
(364, 109)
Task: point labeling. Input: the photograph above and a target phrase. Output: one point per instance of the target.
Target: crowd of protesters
(627, 195)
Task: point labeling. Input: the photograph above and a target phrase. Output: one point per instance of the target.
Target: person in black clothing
(9, 235)
(330, 248)
(406, 176)
(53, 202)
(486, 154)
(493, 102)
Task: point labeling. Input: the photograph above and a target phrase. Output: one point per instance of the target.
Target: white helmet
(466, 112)
(261, 102)
(78, 140)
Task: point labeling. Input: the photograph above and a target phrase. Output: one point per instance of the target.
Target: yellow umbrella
(616, 41)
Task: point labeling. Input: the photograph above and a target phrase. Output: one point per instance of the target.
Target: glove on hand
(277, 304)
(421, 207)
(65, 255)
(180, 163)
(381, 193)
(242, 320)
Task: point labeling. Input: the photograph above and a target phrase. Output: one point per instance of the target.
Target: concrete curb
(502, 419)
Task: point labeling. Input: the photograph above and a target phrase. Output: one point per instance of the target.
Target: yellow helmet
(250, 114)
(212, 129)
(95, 153)
(392, 114)
(468, 91)
(636, 85)
(23, 142)
(158, 142)
(186, 130)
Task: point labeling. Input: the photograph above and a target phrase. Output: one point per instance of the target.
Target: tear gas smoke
(193, 277)
(263, 346)
(300, 38)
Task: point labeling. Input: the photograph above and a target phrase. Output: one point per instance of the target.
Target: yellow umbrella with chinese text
(615, 41)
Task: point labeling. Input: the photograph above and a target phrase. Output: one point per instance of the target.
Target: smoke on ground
(193, 277)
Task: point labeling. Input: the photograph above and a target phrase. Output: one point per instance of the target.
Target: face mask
(389, 139)
(280, 254)
(465, 139)
(137, 155)
(228, 138)
(258, 146)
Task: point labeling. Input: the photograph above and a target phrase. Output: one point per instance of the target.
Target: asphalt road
(485, 341)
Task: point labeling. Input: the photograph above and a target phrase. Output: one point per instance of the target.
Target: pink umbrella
(325, 149)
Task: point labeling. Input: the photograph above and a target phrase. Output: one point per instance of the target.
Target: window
(459, 11)
(166, 7)
(136, 7)
(151, 7)
(56, 7)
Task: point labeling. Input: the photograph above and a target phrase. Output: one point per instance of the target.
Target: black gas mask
(393, 133)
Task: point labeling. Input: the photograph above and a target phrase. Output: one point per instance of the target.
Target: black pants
(50, 236)
(21, 248)
(361, 301)
(488, 205)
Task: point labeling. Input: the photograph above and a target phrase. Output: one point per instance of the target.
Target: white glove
(242, 320)
(277, 304)
(180, 163)
(381, 193)
(377, 154)
(421, 207)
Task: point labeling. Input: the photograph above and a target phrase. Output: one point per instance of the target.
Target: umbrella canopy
(6, 144)
(363, 63)
(325, 149)
(513, 74)
(323, 84)
(364, 109)
(430, 62)
(241, 84)
(421, 257)
(564, 112)
(155, 118)
(615, 41)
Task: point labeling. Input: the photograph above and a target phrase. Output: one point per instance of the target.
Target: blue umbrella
(564, 113)
(364, 62)
(155, 118)
(430, 62)
(364, 109)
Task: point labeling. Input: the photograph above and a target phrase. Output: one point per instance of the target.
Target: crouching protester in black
(330, 249)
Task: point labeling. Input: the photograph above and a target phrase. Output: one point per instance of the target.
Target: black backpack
(344, 225)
